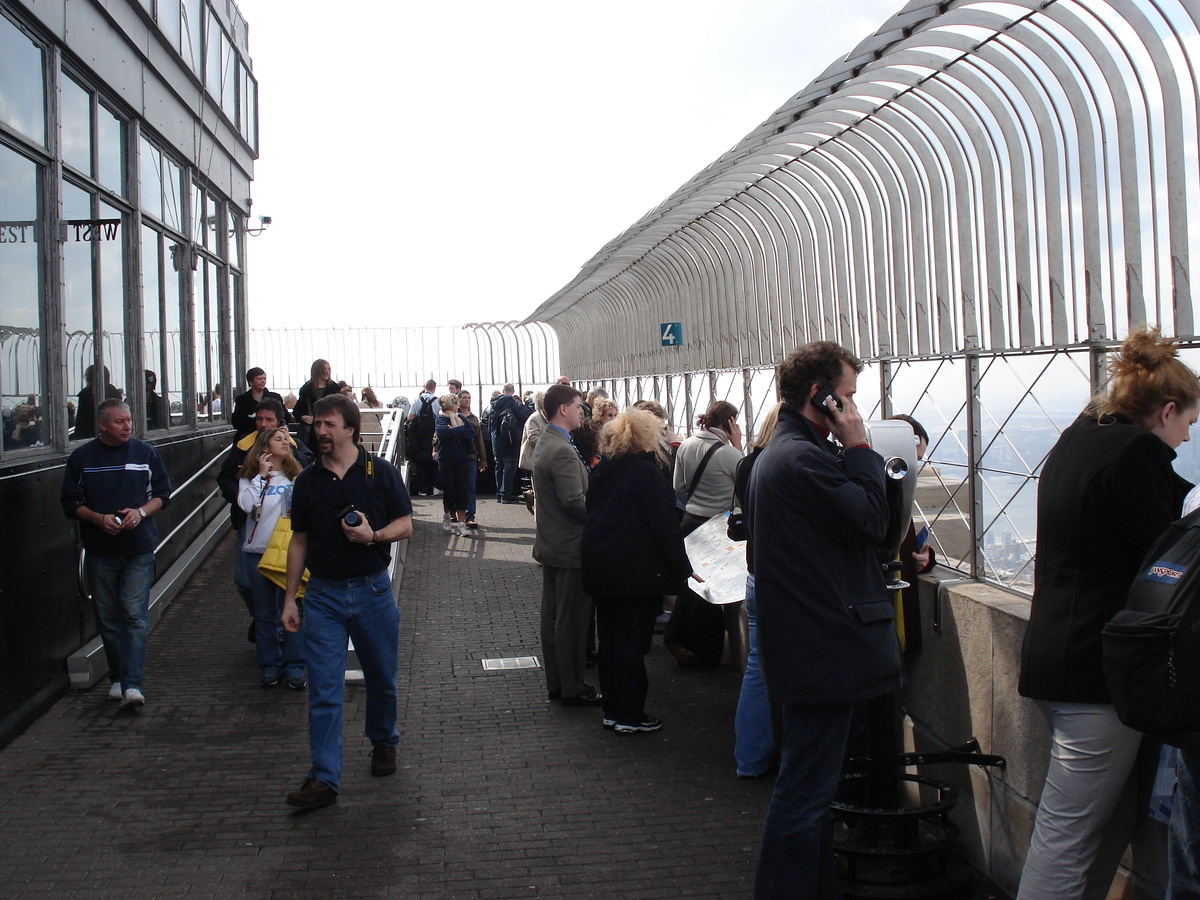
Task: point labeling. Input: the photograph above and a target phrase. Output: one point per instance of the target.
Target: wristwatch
(141, 512)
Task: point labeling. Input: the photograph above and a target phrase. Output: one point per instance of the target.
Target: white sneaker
(114, 691)
(133, 699)
(461, 529)
(447, 525)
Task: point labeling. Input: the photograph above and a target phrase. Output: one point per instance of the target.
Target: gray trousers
(566, 613)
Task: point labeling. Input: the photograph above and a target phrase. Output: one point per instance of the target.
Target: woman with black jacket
(632, 553)
(319, 385)
(1106, 493)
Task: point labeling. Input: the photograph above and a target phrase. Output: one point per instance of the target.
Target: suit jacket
(560, 482)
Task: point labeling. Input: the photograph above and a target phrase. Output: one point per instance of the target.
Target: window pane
(78, 326)
(251, 101)
(199, 213)
(21, 83)
(168, 20)
(150, 171)
(228, 78)
(172, 375)
(25, 421)
(235, 254)
(212, 68)
(76, 126)
(172, 195)
(220, 366)
(108, 141)
(190, 48)
(205, 351)
(152, 336)
(110, 240)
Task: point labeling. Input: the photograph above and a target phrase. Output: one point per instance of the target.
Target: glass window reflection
(150, 174)
(172, 195)
(76, 104)
(112, 298)
(168, 21)
(25, 418)
(22, 87)
(172, 375)
(191, 46)
(108, 144)
(152, 332)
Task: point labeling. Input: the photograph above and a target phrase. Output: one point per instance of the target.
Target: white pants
(1088, 810)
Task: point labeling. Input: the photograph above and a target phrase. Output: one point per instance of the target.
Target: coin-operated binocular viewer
(892, 831)
(893, 439)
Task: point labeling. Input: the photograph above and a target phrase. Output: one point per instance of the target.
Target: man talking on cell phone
(347, 509)
(817, 510)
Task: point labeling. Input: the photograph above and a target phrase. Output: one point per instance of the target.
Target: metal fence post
(974, 447)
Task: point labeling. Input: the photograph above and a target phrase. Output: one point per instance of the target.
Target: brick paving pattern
(499, 794)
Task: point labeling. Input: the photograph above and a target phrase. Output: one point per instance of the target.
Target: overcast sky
(435, 164)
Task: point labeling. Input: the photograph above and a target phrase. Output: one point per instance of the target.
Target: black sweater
(632, 544)
(1105, 495)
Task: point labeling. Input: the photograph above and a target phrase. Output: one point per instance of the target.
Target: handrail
(391, 444)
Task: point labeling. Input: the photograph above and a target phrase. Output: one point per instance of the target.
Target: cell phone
(922, 538)
(824, 393)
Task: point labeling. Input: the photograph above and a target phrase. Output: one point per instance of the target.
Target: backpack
(511, 425)
(418, 432)
(1152, 647)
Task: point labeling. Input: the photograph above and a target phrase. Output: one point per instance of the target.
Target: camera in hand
(351, 516)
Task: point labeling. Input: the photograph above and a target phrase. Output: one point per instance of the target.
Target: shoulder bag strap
(700, 471)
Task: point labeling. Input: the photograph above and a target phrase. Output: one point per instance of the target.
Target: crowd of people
(316, 513)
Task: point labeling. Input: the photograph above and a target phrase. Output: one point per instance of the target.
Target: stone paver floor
(499, 794)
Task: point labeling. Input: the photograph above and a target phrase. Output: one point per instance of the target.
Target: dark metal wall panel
(42, 620)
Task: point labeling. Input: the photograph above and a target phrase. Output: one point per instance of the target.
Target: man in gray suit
(560, 480)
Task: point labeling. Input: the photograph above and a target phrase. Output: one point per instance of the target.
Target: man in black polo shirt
(346, 509)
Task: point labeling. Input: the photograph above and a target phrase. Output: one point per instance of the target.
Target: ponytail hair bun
(1146, 374)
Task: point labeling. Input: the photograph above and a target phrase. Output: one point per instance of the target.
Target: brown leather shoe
(313, 794)
(383, 759)
(685, 657)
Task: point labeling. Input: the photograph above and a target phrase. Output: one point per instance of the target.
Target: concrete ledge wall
(963, 684)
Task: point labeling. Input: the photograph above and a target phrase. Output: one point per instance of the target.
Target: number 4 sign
(672, 334)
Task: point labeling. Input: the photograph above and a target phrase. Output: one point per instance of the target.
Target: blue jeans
(472, 476)
(364, 610)
(121, 595)
(241, 571)
(754, 740)
(279, 653)
(506, 472)
(796, 859)
(1183, 836)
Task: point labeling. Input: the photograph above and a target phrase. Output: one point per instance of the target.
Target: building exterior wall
(128, 133)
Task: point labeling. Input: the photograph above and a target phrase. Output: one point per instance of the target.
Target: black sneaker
(383, 759)
(648, 723)
(313, 794)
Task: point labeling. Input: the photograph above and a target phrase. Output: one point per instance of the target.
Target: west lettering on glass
(18, 232)
(81, 230)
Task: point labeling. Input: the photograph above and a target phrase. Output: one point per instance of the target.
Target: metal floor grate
(511, 662)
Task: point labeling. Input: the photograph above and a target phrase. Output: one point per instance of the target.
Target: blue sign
(672, 334)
